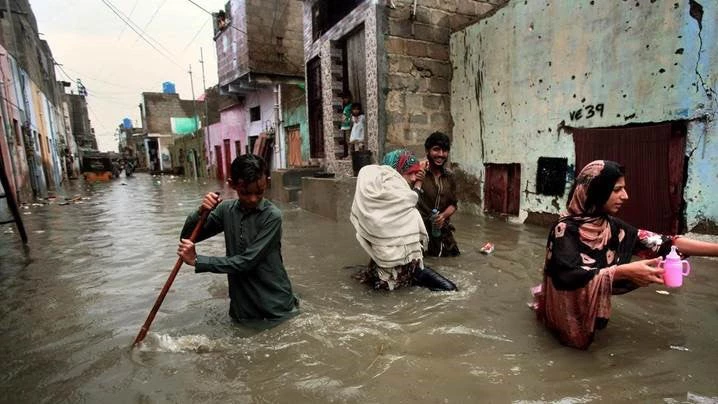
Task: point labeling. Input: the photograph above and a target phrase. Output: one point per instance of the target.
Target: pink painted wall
(232, 126)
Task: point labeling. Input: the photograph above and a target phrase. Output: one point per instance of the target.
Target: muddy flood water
(72, 302)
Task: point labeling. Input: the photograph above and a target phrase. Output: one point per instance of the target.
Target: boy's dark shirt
(259, 288)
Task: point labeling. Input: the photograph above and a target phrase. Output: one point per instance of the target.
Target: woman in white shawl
(390, 228)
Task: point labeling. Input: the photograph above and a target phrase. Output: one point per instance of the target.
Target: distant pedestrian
(259, 288)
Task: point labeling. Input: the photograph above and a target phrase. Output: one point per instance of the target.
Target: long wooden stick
(146, 326)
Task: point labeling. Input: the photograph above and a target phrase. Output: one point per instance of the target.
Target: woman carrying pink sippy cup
(588, 256)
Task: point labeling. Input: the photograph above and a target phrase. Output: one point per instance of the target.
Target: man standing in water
(439, 193)
(259, 289)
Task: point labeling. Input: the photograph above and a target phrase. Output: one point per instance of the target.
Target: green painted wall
(294, 112)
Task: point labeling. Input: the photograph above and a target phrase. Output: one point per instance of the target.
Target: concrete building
(541, 88)
(33, 99)
(164, 117)
(393, 56)
(259, 52)
(70, 153)
(83, 131)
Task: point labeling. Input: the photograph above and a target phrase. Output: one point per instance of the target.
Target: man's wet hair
(248, 168)
(438, 139)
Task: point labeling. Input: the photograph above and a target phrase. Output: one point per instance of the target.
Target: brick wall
(419, 71)
(265, 37)
(274, 31)
(160, 107)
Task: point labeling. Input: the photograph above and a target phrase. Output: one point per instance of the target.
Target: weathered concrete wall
(417, 90)
(231, 45)
(328, 197)
(159, 108)
(265, 37)
(232, 126)
(265, 100)
(81, 127)
(521, 75)
(12, 144)
(183, 151)
(274, 31)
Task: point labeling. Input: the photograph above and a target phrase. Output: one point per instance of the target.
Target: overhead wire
(152, 17)
(210, 13)
(129, 15)
(118, 14)
(132, 23)
(194, 38)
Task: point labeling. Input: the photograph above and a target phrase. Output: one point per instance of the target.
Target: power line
(129, 15)
(105, 2)
(132, 23)
(208, 12)
(96, 79)
(94, 115)
(200, 7)
(196, 35)
(147, 24)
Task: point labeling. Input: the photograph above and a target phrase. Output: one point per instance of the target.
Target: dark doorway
(227, 159)
(314, 98)
(154, 155)
(654, 157)
(502, 188)
(220, 167)
(252, 142)
(326, 13)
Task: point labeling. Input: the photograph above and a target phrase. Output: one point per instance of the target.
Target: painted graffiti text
(588, 112)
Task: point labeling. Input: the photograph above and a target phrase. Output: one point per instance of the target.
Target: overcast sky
(115, 64)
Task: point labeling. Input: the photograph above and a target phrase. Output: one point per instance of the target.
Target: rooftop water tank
(168, 87)
(127, 123)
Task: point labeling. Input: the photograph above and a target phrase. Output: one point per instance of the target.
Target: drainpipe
(280, 157)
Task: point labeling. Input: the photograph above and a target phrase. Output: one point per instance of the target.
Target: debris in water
(488, 248)
(663, 292)
(680, 348)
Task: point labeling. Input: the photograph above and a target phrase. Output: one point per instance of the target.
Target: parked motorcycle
(129, 167)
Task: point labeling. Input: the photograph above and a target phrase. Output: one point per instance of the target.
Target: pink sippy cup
(673, 268)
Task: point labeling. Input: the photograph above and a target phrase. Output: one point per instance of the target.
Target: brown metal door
(294, 143)
(218, 156)
(654, 157)
(314, 97)
(502, 188)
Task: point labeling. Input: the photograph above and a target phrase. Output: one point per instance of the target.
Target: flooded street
(72, 302)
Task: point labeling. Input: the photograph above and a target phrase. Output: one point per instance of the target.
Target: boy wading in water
(259, 289)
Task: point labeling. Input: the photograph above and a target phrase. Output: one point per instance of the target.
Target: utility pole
(204, 87)
(196, 125)
(194, 103)
(206, 137)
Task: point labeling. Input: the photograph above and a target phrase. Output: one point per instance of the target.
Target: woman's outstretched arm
(693, 247)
